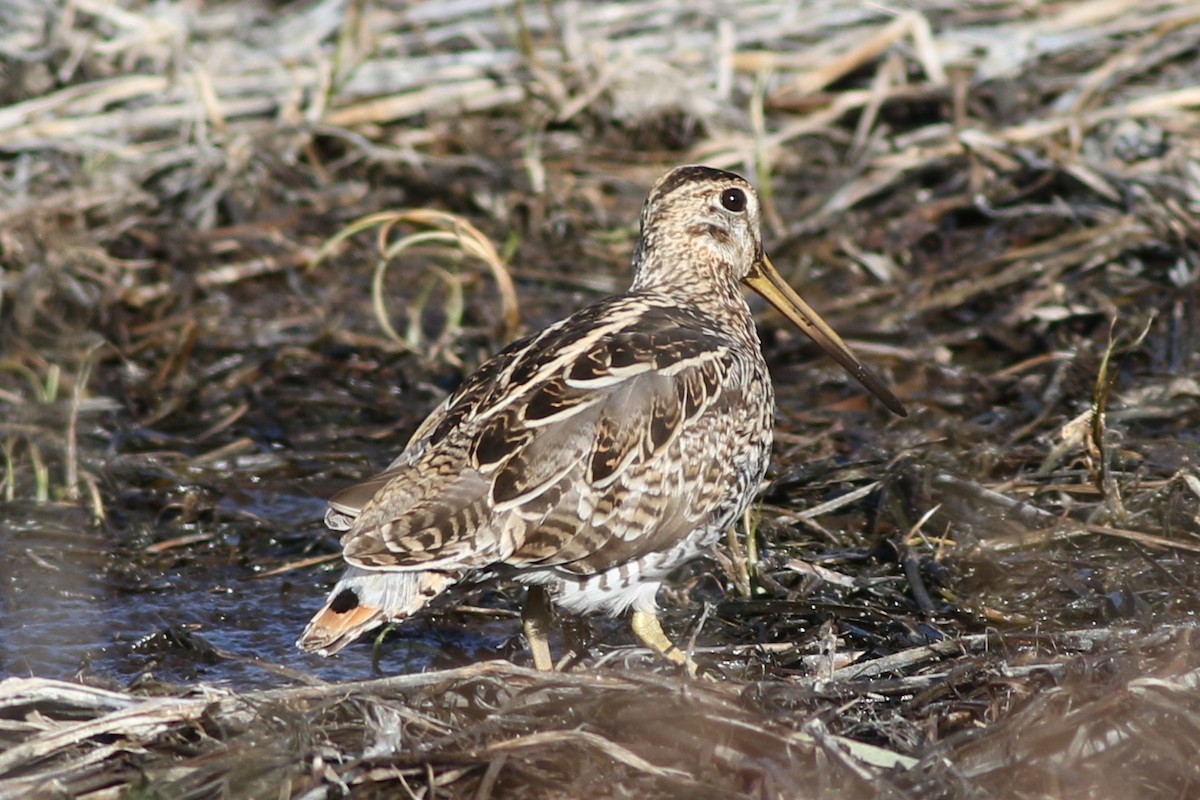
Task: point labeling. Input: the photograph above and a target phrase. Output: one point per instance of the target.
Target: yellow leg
(649, 630)
(535, 617)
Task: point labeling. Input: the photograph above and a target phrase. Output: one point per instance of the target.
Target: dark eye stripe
(733, 200)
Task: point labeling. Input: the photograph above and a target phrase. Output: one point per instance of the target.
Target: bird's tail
(364, 599)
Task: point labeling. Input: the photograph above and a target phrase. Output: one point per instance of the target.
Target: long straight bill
(765, 280)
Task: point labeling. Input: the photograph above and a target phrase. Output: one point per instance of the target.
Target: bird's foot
(648, 628)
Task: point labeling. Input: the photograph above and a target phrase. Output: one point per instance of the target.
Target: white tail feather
(364, 599)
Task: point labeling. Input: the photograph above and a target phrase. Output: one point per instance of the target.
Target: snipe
(591, 459)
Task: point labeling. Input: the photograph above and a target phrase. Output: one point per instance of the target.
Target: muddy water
(79, 600)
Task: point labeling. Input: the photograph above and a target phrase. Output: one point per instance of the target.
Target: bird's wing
(636, 488)
(552, 454)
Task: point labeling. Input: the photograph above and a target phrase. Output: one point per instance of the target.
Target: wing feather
(552, 453)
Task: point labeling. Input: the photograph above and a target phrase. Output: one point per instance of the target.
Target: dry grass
(997, 202)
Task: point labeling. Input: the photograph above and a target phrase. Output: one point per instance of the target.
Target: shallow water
(74, 603)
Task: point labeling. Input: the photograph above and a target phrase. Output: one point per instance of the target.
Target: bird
(589, 460)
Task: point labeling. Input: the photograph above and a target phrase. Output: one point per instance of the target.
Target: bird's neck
(703, 285)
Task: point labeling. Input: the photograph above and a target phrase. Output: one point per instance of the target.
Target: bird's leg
(535, 617)
(649, 630)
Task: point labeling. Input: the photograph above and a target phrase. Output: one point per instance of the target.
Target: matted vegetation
(996, 202)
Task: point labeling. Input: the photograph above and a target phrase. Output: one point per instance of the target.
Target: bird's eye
(733, 200)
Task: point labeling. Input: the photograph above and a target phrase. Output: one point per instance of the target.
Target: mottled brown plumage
(590, 459)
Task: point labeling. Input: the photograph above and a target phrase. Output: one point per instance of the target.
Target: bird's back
(573, 449)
